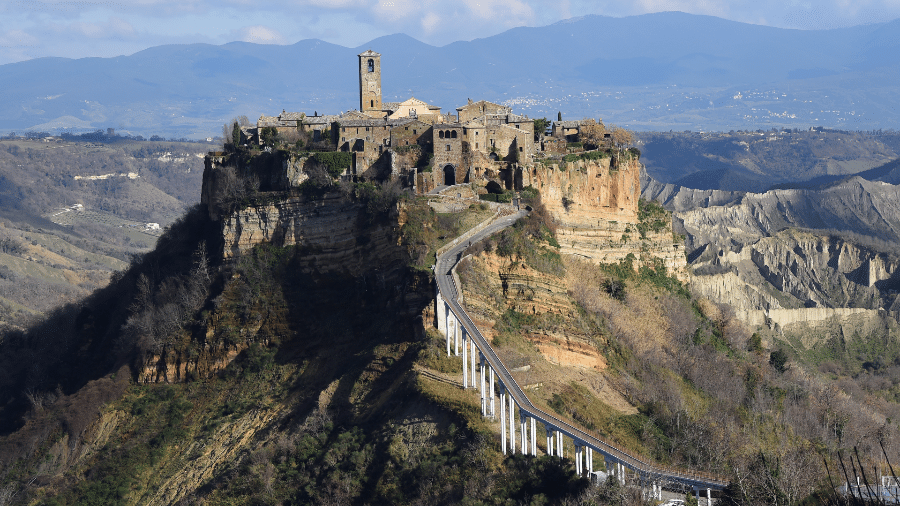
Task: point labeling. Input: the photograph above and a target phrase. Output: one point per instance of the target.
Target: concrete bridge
(521, 422)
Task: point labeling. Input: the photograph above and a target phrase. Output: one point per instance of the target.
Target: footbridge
(522, 423)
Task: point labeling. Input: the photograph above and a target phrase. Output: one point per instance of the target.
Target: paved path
(647, 471)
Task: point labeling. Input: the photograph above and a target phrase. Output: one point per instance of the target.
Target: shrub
(778, 359)
(335, 162)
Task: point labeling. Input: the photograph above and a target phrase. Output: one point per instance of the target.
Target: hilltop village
(585, 174)
(418, 143)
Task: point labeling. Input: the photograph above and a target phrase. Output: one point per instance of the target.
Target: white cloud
(17, 38)
(92, 28)
(260, 35)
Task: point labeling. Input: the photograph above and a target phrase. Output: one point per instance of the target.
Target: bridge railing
(694, 478)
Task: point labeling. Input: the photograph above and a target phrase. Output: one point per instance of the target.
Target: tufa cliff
(595, 204)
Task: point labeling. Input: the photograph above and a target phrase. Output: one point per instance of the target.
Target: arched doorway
(449, 175)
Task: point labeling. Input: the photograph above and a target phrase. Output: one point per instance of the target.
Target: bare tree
(592, 132)
(621, 137)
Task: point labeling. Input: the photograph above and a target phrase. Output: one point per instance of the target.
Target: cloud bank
(75, 29)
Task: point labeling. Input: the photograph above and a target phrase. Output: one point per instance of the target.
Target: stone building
(411, 132)
(449, 158)
(478, 109)
(569, 130)
(413, 108)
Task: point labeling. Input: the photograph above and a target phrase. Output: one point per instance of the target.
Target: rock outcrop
(829, 247)
(595, 204)
(334, 229)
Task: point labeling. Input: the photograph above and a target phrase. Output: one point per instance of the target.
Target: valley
(284, 345)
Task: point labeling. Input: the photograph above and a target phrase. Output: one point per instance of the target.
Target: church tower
(369, 81)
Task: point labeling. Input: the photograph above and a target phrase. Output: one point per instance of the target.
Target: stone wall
(478, 109)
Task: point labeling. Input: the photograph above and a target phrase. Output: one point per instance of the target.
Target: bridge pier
(533, 438)
(440, 312)
(465, 362)
(491, 372)
(481, 381)
(523, 423)
(447, 332)
(456, 339)
(560, 451)
(549, 441)
(472, 350)
(512, 426)
(590, 460)
(502, 419)
(578, 464)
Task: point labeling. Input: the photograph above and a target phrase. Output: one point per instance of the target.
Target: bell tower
(369, 81)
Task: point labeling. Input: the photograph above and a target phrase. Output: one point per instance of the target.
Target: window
(407, 129)
(520, 150)
(441, 134)
(371, 65)
(476, 145)
(414, 132)
(367, 129)
(448, 147)
(371, 103)
(453, 134)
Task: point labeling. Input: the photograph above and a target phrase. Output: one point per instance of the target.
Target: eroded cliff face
(338, 239)
(493, 285)
(794, 269)
(583, 194)
(335, 230)
(595, 204)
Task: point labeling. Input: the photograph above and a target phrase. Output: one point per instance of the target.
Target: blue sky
(76, 29)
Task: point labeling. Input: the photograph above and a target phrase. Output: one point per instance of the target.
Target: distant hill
(652, 72)
(758, 160)
(70, 215)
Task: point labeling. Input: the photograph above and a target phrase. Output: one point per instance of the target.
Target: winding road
(645, 471)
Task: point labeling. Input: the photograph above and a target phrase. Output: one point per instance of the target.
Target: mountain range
(651, 72)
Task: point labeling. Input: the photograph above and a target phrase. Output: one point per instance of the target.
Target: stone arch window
(371, 103)
(441, 134)
(371, 65)
(453, 134)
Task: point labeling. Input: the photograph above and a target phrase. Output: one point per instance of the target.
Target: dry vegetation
(44, 264)
(709, 396)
